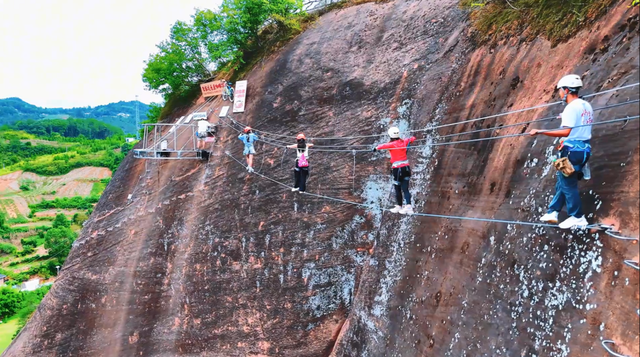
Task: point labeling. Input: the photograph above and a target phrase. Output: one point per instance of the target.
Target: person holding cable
(248, 137)
(400, 169)
(301, 169)
(575, 151)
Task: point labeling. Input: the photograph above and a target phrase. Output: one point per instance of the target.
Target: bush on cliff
(556, 20)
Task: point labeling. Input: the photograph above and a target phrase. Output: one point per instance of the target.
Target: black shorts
(400, 174)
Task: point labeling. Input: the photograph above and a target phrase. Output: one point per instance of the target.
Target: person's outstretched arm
(559, 133)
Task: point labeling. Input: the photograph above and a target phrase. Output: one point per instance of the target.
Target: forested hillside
(52, 173)
(120, 114)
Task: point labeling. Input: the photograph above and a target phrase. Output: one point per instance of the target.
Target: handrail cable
(465, 141)
(490, 220)
(497, 127)
(461, 122)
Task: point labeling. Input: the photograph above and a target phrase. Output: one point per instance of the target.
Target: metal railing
(169, 142)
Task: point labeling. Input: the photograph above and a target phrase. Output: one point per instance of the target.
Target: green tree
(179, 63)
(213, 39)
(58, 241)
(235, 28)
(61, 221)
(10, 302)
(3, 223)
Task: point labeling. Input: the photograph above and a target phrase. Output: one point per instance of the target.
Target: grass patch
(555, 20)
(7, 330)
(97, 188)
(18, 220)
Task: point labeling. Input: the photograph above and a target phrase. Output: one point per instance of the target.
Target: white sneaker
(407, 209)
(295, 189)
(550, 218)
(396, 209)
(586, 171)
(573, 222)
(250, 169)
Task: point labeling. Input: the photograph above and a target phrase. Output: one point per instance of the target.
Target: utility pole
(137, 120)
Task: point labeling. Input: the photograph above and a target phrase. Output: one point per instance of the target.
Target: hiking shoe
(551, 217)
(407, 209)
(396, 209)
(295, 189)
(586, 171)
(574, 222)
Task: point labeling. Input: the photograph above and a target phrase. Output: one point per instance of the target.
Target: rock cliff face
(209, 261)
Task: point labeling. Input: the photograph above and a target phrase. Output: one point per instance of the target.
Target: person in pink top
(400, 169)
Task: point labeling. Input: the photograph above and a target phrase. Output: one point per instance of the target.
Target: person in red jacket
(400, 169)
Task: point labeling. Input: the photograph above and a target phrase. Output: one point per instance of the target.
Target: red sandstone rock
(237, 266)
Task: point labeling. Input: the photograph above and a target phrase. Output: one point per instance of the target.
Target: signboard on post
(240, 96)
(212, 89)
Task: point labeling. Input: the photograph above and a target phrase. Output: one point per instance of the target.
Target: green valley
(52, 173)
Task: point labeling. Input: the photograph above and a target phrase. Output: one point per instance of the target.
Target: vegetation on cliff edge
(555, 20)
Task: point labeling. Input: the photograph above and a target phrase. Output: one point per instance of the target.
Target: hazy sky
(71, 53)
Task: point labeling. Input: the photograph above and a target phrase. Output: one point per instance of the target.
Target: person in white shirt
(205, 133)
(577, 118)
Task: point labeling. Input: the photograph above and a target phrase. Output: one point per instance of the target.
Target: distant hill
(120, 114)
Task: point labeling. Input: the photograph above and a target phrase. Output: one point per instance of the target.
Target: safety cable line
(605, 344)
(608, 229)
(322, 147)
(461, 122)
(633, 264)
(491, 220)
(469, 140)
(616, 234)
(534, 121)
(497, 127)
(493, 128)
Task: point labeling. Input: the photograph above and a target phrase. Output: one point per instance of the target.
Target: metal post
(155, 141)
(146, 137)
(137, 121)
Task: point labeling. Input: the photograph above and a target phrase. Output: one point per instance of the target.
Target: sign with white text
(240, 96)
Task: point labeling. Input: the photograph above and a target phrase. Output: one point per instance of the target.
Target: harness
(578, 146)
(400, 163)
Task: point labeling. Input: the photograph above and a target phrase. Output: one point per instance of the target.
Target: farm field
(20, 189)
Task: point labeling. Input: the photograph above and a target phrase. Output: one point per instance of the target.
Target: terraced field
(15, 198)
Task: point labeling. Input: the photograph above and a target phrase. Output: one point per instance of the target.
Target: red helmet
(247, 129)
(301, 137)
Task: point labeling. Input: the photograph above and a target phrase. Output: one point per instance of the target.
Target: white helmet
(394, 132)
(570, 81)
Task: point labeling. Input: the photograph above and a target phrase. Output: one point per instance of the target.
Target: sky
(77, 53)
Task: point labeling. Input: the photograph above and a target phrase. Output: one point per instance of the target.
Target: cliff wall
(207, 260)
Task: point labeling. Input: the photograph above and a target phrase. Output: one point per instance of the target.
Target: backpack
(302, 161)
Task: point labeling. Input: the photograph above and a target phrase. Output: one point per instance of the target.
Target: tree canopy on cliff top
(213, 39)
